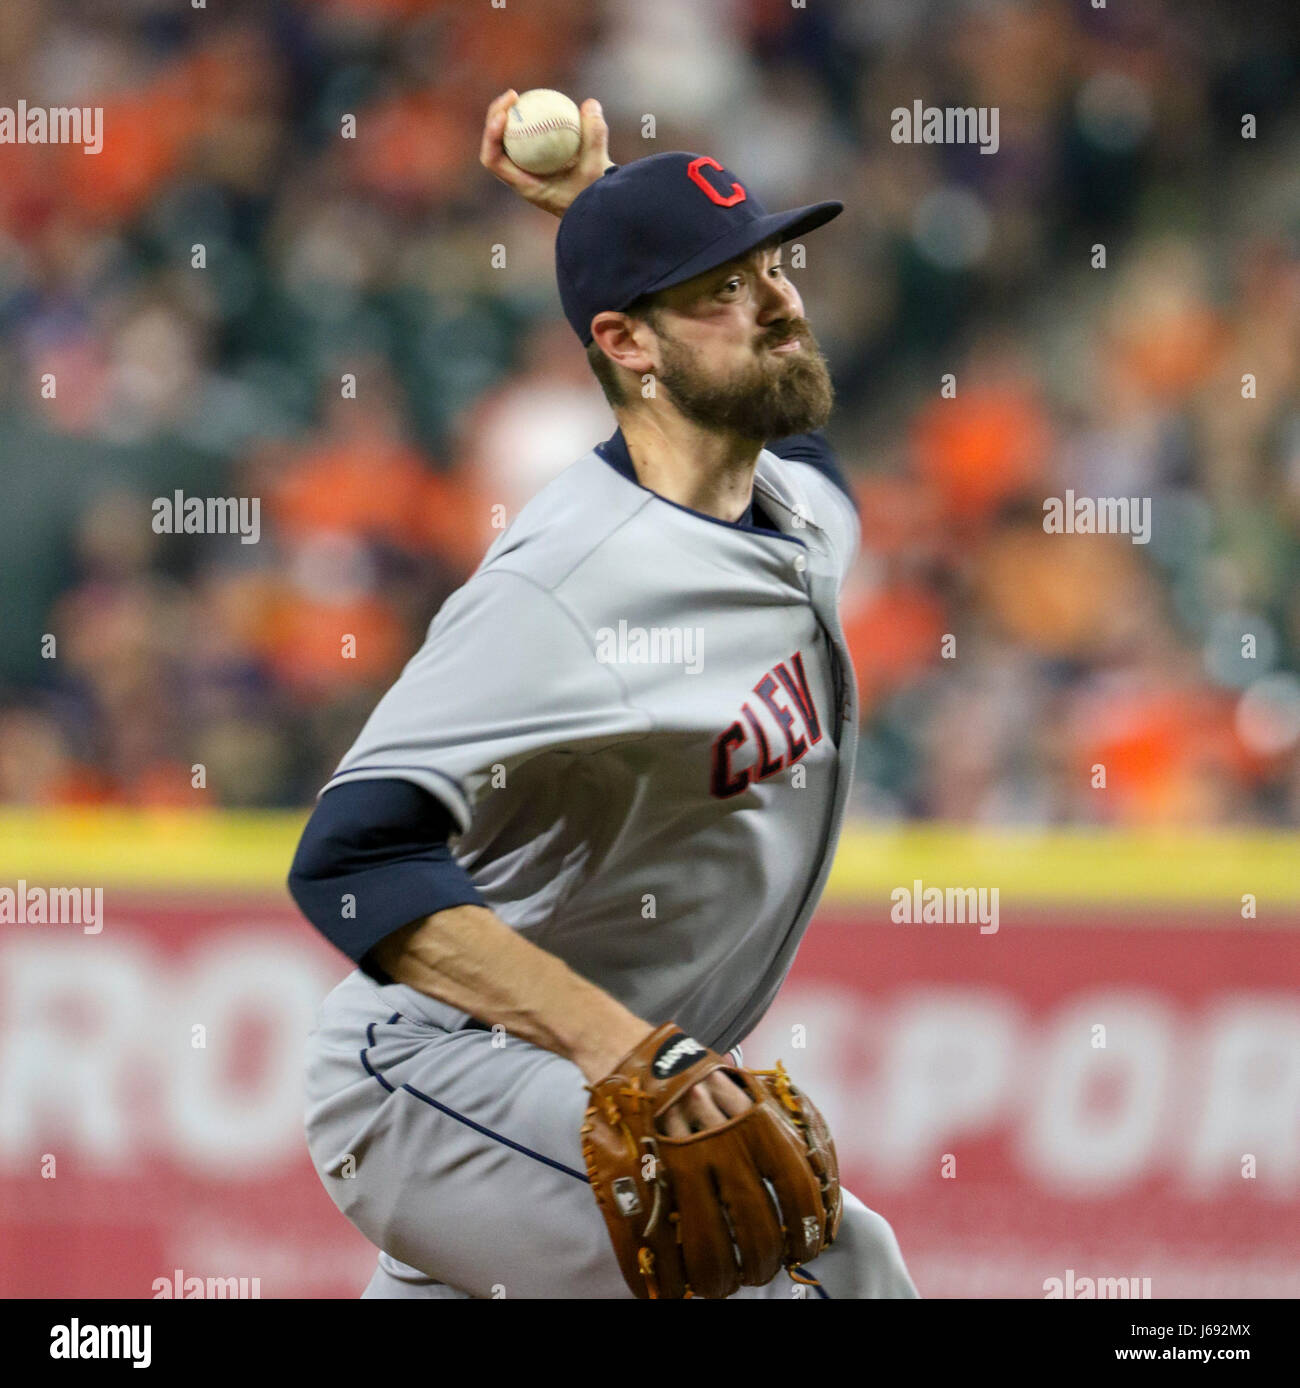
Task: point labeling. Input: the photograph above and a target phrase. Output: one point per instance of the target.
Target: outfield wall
(1106, 1085)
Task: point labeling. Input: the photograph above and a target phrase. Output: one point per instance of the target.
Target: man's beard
(776, 395)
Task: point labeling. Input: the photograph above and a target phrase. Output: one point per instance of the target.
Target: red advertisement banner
(1088, 1105)
(1070, 1099)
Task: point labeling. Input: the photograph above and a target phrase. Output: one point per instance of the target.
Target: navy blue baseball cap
(657, 222)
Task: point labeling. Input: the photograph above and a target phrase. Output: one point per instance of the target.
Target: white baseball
(543, 132)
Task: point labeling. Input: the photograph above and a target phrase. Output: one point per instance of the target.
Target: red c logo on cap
(693, 173)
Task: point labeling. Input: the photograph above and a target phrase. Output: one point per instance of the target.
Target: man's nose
(781, 300)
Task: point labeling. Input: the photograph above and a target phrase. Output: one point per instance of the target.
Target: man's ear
(624, 341)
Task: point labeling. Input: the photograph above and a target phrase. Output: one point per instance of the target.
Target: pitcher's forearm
(470, 959)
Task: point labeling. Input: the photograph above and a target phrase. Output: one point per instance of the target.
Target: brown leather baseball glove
(694, 1216)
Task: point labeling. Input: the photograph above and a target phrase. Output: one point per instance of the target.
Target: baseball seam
(542, 126)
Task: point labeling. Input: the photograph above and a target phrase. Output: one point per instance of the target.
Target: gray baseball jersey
(644, 722)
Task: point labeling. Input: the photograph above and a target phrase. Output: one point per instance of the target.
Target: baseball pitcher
(574, 849)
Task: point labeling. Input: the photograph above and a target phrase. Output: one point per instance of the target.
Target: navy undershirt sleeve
(815, 450)
(379, 849)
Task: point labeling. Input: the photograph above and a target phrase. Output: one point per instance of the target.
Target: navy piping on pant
(496, 1137)
(460, 1117)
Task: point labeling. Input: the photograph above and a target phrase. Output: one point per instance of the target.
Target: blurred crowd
(198, 292)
